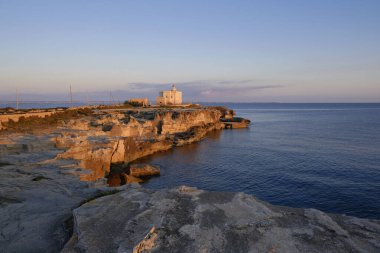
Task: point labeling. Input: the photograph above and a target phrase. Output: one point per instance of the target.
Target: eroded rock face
(124, 136)
(37, 194)
(191, 220)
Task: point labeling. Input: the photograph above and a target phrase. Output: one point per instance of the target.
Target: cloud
(202, 83)
(193, 91)
(208, 89)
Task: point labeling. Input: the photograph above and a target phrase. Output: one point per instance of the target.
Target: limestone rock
(147, 243)
(37, 195)
(131, 179)
(123, 136)
(145, 170)
(191, 220)
(43, 177)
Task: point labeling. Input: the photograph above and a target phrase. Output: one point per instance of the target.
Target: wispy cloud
(197, 90)
(202, 83)
(208, 89)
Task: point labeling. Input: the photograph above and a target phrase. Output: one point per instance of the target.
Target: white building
(170, 97)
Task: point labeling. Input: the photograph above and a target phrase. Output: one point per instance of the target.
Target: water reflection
(324, 159)
(183, 157)
(177, 165)
(185, 154)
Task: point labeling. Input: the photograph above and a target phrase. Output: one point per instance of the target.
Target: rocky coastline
(55, 196)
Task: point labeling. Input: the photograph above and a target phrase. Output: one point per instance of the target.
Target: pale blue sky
(253, 51)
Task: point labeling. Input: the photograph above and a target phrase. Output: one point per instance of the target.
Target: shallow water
(324, 156)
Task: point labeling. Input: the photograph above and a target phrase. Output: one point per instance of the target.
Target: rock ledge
(187, 219)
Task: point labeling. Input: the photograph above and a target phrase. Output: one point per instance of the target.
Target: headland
(57, 166)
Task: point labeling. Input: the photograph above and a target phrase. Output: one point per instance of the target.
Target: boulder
(145, 170)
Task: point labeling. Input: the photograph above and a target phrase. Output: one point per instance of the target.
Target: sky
(215, 51)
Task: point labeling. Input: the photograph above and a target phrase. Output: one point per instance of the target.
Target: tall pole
(112, 99)
(17, 98)
(71, 96)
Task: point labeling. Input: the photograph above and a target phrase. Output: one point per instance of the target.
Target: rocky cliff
(53, 195)
(41, 174)
(118, 136)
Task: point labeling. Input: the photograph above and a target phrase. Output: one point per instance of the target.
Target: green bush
(133, 104)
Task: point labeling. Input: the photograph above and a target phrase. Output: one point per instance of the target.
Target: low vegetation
(133, 104)
(31, 123)
(114, 106)
(11, 110)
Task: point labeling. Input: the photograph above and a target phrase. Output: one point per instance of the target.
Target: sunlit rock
(145, 170)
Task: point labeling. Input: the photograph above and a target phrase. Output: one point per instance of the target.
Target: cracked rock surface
(37, 195)
(190, 220)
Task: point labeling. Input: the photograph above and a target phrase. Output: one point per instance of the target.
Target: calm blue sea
(324, 156)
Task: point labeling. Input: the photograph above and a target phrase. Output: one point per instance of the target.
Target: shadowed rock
(131, 179)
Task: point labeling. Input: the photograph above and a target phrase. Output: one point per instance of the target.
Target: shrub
(133, 103)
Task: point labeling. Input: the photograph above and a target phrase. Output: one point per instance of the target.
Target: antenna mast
(71, 96)
(17, 98)
(112, 99)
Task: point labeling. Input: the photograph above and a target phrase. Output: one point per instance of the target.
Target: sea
(319, 155)
(322, 156)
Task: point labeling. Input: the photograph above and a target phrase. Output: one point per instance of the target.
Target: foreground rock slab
(38, 194)
(191, 220)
